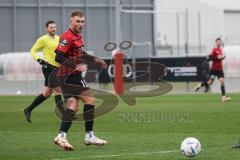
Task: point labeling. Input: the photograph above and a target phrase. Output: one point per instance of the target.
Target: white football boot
(62, 142)
(91, 139)
(197, 87)
(226, 98)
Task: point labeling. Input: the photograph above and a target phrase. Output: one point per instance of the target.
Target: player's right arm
(212, 56)
(38, 46)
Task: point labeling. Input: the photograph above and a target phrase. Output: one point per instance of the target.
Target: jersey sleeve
(64, 44)
(38, 46)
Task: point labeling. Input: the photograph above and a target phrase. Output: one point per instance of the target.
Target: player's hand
(81, 68)
(221, 57)
(103, 63)
(41, 61)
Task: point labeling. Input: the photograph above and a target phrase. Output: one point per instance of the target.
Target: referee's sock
(38, 100)
(88, 115)
(67, 120)
(223, 90)
(59, 103)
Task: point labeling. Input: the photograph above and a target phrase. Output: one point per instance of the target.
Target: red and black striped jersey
(216, 63)
(70, 44)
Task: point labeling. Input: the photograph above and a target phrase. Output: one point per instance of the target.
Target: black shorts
(73, 85)
(214, 73)
(47, 71)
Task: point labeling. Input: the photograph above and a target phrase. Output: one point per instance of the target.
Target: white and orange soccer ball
(190, 147)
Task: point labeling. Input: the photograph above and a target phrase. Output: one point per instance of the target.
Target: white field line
(118, 155)
(133, 154)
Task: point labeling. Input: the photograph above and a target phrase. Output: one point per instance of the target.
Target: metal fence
(22, 22)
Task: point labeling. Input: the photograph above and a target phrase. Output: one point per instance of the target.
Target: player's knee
(221, 80)
(72, 103)
(90, 100)
(74, 108)
(210, 81)
(47, 92)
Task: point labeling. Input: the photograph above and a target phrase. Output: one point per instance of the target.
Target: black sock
(67, 120)
(223, 90)
(88, 115)
(59, 103)
(38, 100)
(206, 87)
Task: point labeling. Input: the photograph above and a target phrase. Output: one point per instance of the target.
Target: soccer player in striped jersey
(216, 70)
(47, 45)
(70, 54)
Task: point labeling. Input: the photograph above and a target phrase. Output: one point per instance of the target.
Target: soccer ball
(190, 147)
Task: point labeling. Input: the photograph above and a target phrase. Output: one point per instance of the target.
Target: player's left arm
(93, 59)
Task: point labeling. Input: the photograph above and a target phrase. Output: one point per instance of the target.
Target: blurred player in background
(216, 57)
(47, 45)
(205, 75)
(70, 54)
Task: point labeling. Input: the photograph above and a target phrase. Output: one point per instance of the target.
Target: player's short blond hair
(77, 13)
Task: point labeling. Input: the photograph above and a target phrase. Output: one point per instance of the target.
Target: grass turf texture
(214, 123)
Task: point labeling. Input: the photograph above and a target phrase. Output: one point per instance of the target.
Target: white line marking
(139, 153)
(118, 155)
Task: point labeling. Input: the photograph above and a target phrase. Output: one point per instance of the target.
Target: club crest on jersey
(64, 42)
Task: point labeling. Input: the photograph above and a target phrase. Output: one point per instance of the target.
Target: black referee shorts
(47, 70)
(218, 73)
(73, 85)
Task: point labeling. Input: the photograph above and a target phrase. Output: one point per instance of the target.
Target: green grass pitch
(153, 129)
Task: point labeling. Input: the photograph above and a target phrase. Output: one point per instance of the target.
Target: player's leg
(221, 80)
(224, 96)
(198, 86)
(47, 91)
(58, 99)
(206, 83)
(207, 87)
(210, 81)
(54, 83)
(206, 78)
(88, 115)
(67, 118)
(37, 101)
(70, 91)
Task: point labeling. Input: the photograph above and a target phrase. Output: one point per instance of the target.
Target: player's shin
(223, 90)
(59, 103)
(88, 114)
(67, 120)
(90, 138)
(38, 100)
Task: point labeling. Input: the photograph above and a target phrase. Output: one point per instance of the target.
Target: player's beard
(52, 33)
(78, 30)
